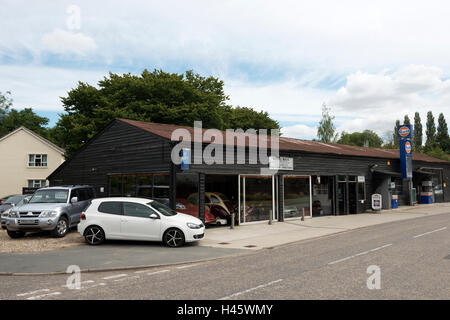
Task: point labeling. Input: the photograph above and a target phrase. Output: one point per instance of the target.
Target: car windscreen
(13, 200)
(163, 209)
(50, 196)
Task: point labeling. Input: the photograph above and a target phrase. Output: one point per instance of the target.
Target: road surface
(412, 257)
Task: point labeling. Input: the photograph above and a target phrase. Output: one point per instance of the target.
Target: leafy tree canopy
(367, 138)
(11, 119)
(326, 131)
(151, 96)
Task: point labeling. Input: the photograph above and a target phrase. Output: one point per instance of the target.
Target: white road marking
(424, 234)
(32, 292)
(156, 272)
(360, 254)
(81, 283)
(127, 278)
(251, 289)
(94, 286)
(115, 276)
(44, 295)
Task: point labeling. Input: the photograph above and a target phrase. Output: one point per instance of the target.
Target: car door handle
(123, 220)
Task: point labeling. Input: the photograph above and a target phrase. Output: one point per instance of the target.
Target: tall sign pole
(405, 134)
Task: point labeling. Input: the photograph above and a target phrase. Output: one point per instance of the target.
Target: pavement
(218, 243)
(261, 235)
(406, 259)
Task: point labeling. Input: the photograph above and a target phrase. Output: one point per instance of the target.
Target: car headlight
(48, 214)
(194, 225)
(13, 214)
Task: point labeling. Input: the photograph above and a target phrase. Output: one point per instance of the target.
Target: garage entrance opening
(257, 195)
(221, 197)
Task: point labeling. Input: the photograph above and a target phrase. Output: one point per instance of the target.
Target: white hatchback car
(137, 219)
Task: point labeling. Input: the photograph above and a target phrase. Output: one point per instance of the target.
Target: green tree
(247, 118)
(406, 120)
(395, 135)
(326, 131)
(27, 118)
(430, 132)
(417, 134)
(151, 96)
(367, 138)
(11, 119)
(442, 137)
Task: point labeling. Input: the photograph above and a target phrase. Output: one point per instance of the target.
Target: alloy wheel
(174, 238)
(61, 227)
(94, 235)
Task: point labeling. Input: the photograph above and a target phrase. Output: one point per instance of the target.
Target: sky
(371, 62)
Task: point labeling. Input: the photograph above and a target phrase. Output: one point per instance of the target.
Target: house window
(36, 183)
(37, 160)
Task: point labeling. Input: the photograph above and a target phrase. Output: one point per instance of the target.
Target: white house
(26, 160)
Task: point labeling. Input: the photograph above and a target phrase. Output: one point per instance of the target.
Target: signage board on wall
(361, 179)
(185, 158)
(281, 163)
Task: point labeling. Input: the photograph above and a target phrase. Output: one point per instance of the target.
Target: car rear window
(111, 207)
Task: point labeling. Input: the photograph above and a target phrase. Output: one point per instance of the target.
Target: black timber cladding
(119, 148)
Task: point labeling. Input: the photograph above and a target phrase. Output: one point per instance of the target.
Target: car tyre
(15, 234)
(62, 227)
(174, 238)
(94, 235)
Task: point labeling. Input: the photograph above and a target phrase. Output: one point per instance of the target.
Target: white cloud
(41, 87)
(65, 42)
(412, 87)
(299, 131)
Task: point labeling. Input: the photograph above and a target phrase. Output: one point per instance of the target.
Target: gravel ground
(37, 242)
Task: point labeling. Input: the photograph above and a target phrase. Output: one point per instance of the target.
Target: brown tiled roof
(287, 144)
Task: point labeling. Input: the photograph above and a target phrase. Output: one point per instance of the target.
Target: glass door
(256, 198)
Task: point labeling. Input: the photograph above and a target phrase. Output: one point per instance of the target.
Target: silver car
(54, 209)
(6, 208)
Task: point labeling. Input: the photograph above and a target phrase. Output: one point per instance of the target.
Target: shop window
(342, 178)
(322, 196)
(129, 186)
(145, 186)
(161, 180)
(187, 194)
(141, 185)
(296, 196)
(257, 197)
(115, 186)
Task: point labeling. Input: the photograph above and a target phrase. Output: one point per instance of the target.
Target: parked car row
(57, 209)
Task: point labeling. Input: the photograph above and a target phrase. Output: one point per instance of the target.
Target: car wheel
(62, 227)
(174, 238)
(15, 234)
(94, 235)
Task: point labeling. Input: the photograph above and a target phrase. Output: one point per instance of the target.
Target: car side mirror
(153, 216)
(25, 201)
(13, 204)
(73, 200)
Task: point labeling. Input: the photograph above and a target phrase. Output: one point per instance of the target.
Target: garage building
(133, 158)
